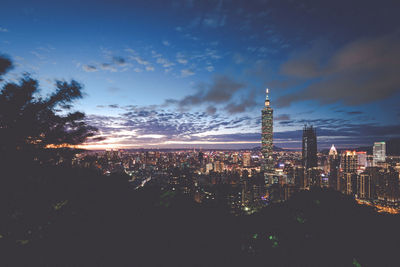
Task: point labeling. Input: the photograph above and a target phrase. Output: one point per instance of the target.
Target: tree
(37, 127)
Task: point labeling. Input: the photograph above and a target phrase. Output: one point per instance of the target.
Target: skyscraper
(267, 135)
(333, 161)
(362, 160)
(379, 152)
(348, 175)
(246, 159)
(309, 151)
(364, 186)
(349, 161)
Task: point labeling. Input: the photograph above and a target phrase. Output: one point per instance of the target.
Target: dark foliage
(29, 123)
(5, 65)
(76, 217)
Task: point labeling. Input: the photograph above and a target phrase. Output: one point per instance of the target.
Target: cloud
(362, 71)
(153, 125)
(139, 60)
(211, 110)
(245, 104)
(89, 68)
(187, 72)
(219, 91)
(238, 58)
(149, 68)
(120, 61)
(166, 43)
(214, 21)
(3, 29)
(210, 68)
(165, 62)
(353, 112)
(107, 66)
(38, 55)
(181, 58)
(282, 117)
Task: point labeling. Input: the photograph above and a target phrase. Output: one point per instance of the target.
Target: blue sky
(194, 73)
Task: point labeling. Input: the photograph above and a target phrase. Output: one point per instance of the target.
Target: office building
(379, 152)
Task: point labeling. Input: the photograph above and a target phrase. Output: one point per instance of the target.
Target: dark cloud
(138, 124)
(245, 103)
(354, 112)
(108, 66)
(360, 72)
(120, 61)
(282, 117)
(221, 90)
(89, 68)
(211, 110)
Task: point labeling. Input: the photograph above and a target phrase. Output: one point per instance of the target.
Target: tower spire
(267, 102)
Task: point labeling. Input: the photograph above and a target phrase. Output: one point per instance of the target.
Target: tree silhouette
(35, 125)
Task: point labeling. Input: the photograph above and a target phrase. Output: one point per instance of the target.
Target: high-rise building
(309, 157)
(388, 188)
(379, 152)
(218, 166)
(333, 161)
(267, 135)
(299, 180)
(364, 186)
(246, 159)
(309, 151)
(362, 160)
(209, 167)
(349, 161)
(235, 158)
(348, 170)
(349, 183)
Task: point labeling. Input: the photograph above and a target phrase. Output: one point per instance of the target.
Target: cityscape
(199, 133)
(260, 176)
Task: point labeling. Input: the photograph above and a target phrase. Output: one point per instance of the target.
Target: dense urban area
(370, 179)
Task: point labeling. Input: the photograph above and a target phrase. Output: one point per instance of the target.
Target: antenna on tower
(267, 97)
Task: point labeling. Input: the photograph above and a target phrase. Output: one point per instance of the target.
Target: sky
(183, 74)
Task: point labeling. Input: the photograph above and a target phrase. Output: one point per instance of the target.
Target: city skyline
(193, 73)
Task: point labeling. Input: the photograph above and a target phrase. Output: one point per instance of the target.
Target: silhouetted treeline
(76, 217)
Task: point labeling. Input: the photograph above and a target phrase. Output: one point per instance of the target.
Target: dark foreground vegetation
(52, 214)
(58, 216)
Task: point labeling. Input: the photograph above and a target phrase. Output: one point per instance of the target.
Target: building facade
(333, 161)
(267, 135)
(309, 151)
(379, 152)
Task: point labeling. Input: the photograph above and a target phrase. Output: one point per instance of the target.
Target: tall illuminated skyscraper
(267, 135)
(333, 160)
(379, 152)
